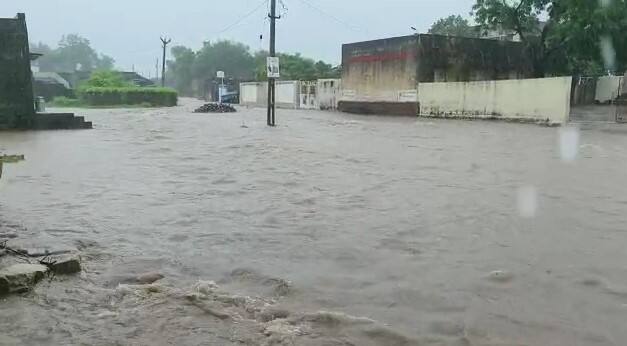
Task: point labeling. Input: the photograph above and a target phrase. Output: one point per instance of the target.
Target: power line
(264, 2)
(336, 19)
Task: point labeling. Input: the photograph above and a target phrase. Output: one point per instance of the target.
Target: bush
(106, 79)
(116, 96)
(62, 101)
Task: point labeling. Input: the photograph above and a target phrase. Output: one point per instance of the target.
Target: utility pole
(272, 81)
(165, 42)
(157, 70)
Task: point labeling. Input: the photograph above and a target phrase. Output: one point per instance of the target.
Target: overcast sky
(129, 30)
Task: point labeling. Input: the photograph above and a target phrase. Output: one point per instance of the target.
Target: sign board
(220, 74)
(273, 67)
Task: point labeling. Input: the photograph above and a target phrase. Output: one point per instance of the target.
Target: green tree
(181, 69)
(236, 60)
(73, 53)
(454, 25)
(296, 67)
(233, 58)
(522, 18)
(572, 40)
(591, 33)
(107, 79)
(104, 62)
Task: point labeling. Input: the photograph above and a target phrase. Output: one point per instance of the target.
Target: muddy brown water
(412, 225)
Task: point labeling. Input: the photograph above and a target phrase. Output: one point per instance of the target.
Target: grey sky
(129, 30)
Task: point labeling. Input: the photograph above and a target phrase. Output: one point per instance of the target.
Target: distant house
(504, 34)
(50, 85)
(17, 103)
(16, 91)
(137, 79)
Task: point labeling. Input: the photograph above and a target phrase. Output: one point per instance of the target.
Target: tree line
(239, 63)
(560, 37)
(73, 53)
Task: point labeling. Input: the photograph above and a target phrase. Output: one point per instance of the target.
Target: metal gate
(621, 102)
(308, 95)
(621, 109)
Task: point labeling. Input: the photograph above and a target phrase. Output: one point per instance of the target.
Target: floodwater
(362, 230)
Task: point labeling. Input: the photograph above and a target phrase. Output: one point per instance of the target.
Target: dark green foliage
(233, 58)
(454, 26)
(106, 79)
(579, 36)
(296, 67)
(116, 96)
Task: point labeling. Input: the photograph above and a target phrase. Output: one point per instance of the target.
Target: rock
(65, 265)
(148, 278)
(216, 108)
(3, 252)
(21, 277)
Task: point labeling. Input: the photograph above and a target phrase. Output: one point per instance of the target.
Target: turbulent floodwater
(363, 230)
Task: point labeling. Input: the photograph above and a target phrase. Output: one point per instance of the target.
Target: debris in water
(500, 276)
(205, 287)
(216, 108)
(196, 301)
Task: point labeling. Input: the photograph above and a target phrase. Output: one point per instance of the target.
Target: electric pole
(157, 70)
(271, 80)
(165, 42)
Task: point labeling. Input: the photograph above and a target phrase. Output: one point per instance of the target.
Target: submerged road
(440, 232)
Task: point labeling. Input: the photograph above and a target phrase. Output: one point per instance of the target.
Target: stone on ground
(20, 278)
(65, 265)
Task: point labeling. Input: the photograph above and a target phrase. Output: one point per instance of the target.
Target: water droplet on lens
(527, 201)
(569, 143)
